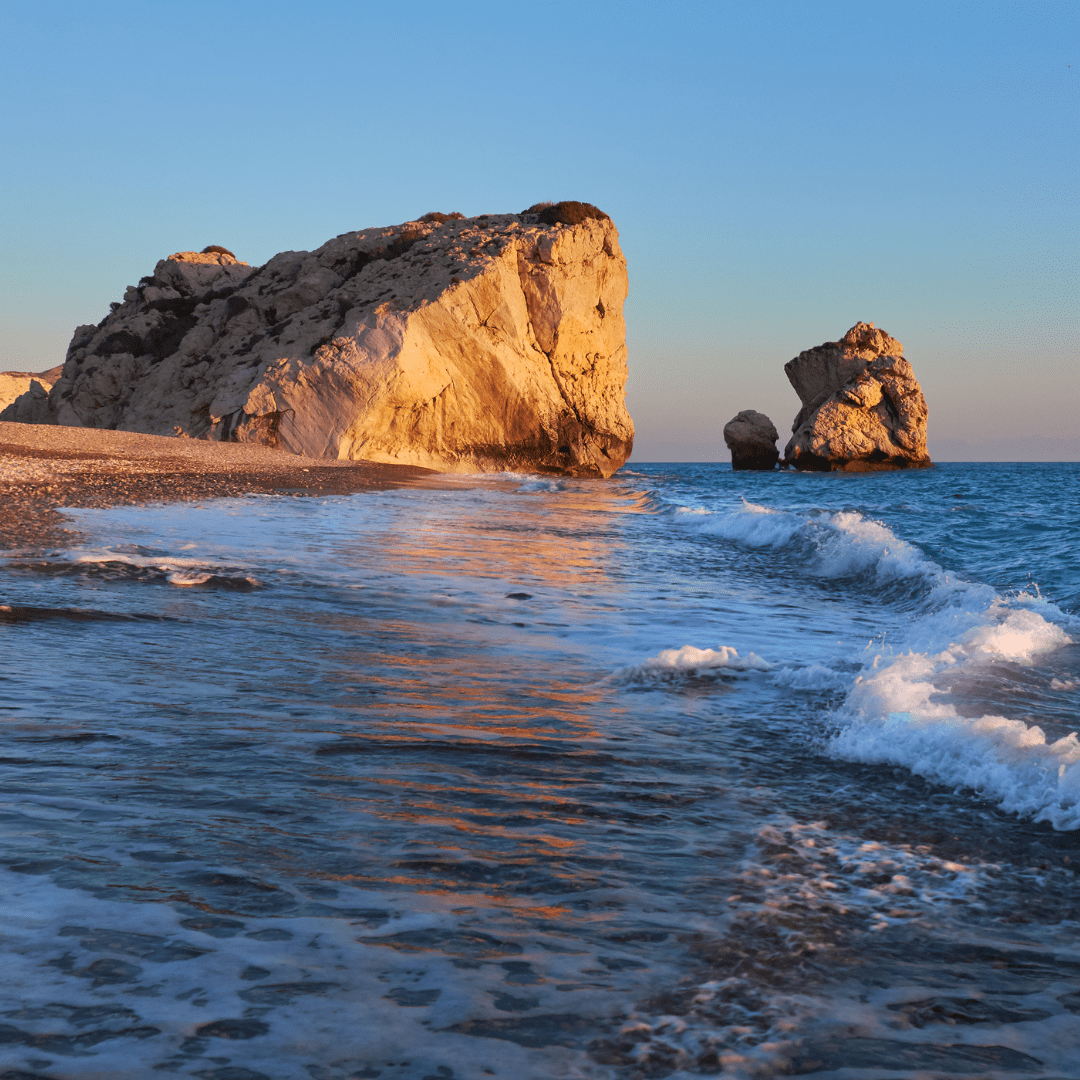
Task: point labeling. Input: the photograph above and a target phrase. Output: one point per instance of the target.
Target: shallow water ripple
(424, 785)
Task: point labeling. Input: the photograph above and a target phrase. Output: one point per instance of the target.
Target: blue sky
(777, 173)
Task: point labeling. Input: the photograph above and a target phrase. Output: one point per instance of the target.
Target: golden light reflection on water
(386, 749)
(566, 541)
(459, 749)
(486, 701)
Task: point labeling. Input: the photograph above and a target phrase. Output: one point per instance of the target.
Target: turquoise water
(686, 773)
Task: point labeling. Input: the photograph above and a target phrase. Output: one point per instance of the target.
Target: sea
(689, 772)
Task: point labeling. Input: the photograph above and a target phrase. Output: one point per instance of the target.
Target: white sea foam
(898, 713)
(849, 544)
(530, 484)
(844, 543)
(750, 524)
(689, 661)
(191, 578)
(900, 710)
(177, 570)
(811, 677)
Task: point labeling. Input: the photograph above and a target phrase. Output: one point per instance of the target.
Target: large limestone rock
(862, 406)
(751, 437)
(495, 342)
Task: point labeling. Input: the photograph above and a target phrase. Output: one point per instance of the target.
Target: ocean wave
(909, 705)
(752, 525)
(811, 677)
(529, 483)
(173, 570)
(128, 566)
(191, 579)
(688, 662)
(902, 712)
(835, 545)
(850, 544)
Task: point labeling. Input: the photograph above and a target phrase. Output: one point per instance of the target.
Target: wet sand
(45, 468)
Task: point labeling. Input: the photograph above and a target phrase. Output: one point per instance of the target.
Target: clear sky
(777, 172)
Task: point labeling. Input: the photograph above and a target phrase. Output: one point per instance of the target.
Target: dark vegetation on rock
(440, 219)
(566, 213)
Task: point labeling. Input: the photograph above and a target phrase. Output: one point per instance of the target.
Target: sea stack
(493, 342)
(862, 407)
(751, 437)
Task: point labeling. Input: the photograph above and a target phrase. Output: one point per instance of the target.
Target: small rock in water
(233, 1029)
(751, 437)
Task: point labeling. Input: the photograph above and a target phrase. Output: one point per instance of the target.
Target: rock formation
(751, 437)
(862, 407)
(13, 384)
(494, 342)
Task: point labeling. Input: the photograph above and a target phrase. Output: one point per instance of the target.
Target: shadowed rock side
(14, 384)
(862, 406)
(751, 437)
(493, 342)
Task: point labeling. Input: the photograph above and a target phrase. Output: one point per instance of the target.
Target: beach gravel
(44, 468)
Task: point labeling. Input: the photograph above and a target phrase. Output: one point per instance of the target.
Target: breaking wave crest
(119, 566)
(752, 525)
(835, 545)
(902, 711)
(690, 662)
(921, 703)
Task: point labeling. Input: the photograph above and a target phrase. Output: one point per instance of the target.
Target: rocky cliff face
(862, 406)
(493, 342)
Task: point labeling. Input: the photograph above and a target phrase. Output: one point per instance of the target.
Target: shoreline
(46, 468)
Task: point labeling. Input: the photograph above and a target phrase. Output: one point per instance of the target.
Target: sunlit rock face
(862, 406)
(495, 342)
(751, 437)
(14, 384)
